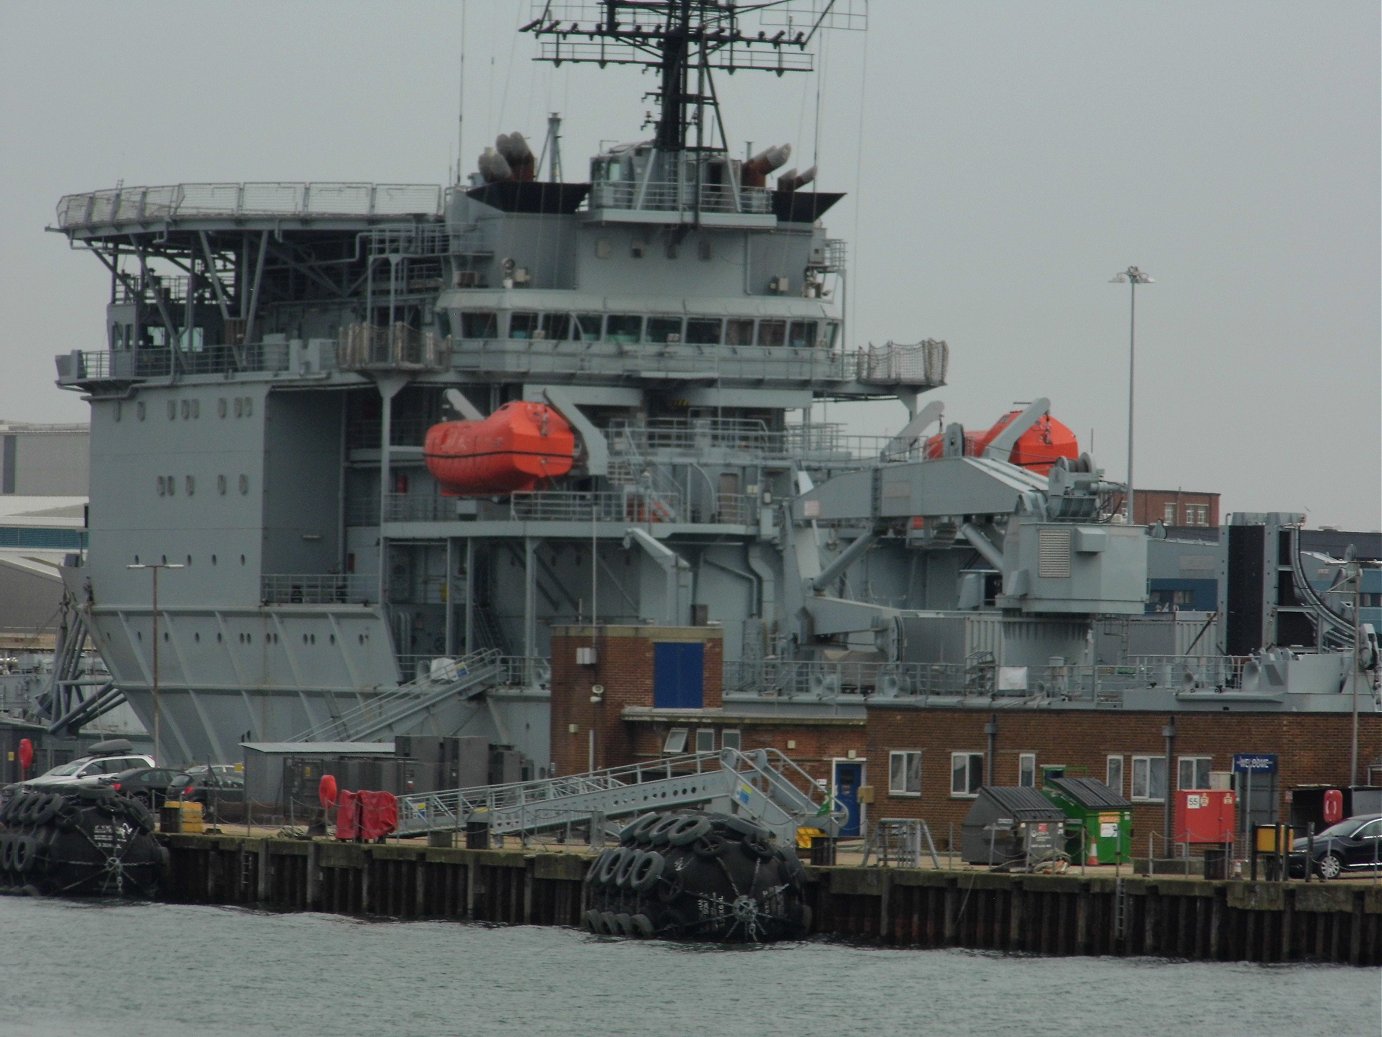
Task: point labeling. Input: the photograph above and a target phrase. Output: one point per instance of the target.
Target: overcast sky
(1003, 160)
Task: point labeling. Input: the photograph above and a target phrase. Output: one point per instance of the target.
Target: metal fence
(124, 205)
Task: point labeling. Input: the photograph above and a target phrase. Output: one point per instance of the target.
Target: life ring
(687, 830)
(647, 871)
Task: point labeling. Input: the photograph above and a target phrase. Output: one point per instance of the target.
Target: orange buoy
(510, 451)
(326, 791)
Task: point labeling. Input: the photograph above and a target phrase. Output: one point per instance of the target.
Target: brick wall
(624, 667)
(1314, 748)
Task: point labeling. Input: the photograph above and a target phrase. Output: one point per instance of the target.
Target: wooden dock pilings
(1070, 914)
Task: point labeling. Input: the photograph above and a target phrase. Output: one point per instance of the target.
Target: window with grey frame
(904, 772)
(966, 773)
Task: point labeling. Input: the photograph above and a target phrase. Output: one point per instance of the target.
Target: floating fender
(87, 841)
(691, 875)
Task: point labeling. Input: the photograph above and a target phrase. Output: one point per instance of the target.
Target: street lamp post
(153, 568)
(1132, 277)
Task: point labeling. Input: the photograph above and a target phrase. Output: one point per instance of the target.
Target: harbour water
(156, 970)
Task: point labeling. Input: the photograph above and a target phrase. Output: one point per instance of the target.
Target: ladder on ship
(391, 710)
(899, 841)
(762, 784)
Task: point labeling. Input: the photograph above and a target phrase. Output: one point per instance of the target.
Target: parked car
(221, 794)
(1350, 847)
(149, 785)
(102, 759)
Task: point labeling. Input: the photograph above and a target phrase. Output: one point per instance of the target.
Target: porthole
(332, 639)
(119, 407)
(191, 484)
(172, 409)
(136, 559)
(186, 409)
(138, 635)
(189, 559)
(196, 408)
(162, 489)
(221, 485)
(213, 559)
(172, 485)
(139, 410)
(221, 406)
(244, 485)
(196, 637)
(242, 559)
(239, 406)
(219, 637)
(249, 406)
(165, 560)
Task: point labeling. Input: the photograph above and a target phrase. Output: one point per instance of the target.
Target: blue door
(678, 672)
(848, 776)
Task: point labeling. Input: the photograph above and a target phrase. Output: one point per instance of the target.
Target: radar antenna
(676, 36)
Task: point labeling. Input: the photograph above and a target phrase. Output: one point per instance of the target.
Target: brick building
(629, 694)
(1176, 508)
(958, 751)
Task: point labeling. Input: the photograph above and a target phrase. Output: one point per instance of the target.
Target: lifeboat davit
(510, 451)
(1036, 450)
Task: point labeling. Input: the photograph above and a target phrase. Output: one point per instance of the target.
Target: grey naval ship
(368, 444)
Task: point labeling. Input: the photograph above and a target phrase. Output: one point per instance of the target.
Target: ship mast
(679, 36)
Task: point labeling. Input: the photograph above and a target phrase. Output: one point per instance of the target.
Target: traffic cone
(1093, 857)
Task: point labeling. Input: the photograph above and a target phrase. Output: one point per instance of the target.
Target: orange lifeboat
(510, 451)
(1036, 450)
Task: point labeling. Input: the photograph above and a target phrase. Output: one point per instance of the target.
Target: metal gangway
(762, 784)
(395, 709)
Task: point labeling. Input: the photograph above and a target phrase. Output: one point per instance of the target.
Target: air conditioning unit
(780, 284)
(585, 655)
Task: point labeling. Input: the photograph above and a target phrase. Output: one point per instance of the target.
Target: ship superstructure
(619, 377)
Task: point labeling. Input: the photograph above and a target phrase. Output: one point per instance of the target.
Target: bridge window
(523, 325)
(772, 332)
(738, 332)
(624, 327)
(588, 327)
(802, 334)
(703, 331)
(556, 326)
(480, 324)
(664, 329)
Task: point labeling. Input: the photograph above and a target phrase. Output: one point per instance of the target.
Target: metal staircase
(763, 785)
(388, 711)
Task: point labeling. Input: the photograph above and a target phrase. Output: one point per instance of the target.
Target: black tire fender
(647, 871)
(611, 865)
(687, 830)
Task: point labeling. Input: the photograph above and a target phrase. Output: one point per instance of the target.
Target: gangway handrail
(387, 707)
(762, 783)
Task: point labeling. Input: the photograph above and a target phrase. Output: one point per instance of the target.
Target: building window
(966, 773)
(1149, 777)
(1192, 772)
(1168, 513)
(1197, 514)
(1113, 774)
(1026, 770)
(904, 772)
(705, 739)
(729, 739)
(676, 741)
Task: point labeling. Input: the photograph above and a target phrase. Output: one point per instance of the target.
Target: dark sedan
(222, 794)
(149, 785)
(1350, 847)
